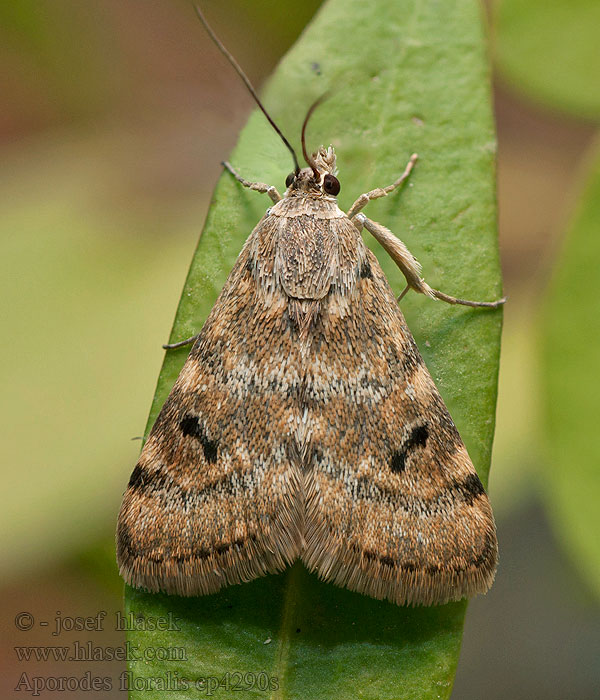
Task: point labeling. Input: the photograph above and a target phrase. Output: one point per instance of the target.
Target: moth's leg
(411, 267)
(181, 343)
(256, 186)
(364, 199)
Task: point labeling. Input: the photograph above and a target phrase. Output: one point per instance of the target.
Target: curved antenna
(311, 109)
(246, 81)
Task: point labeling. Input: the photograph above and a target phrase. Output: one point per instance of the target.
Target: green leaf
(571, 356)
(407, 76)
(549, 50)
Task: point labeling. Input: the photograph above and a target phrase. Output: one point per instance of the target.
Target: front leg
(410, 266)
(256, 186)
(378, 192)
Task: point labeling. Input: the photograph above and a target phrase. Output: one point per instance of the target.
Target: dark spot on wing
(417, 438)
(470, 489)
(191, 426)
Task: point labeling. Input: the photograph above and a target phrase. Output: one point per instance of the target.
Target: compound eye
(289, 179)
(331, 184)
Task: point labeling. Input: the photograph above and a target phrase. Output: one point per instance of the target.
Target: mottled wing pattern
(305, 424)
(215, 497)
(395, 508)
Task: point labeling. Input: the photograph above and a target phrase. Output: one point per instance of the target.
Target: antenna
(311, 109)
(247, 83)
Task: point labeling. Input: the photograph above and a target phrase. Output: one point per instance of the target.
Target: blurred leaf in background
(50, 77)
(539, 623)
(79, 311)
(570, 345)
(549, 50)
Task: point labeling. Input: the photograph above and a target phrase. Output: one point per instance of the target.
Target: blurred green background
(115, 118)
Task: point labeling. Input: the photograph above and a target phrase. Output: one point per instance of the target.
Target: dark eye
(331, 184)
(289, 179)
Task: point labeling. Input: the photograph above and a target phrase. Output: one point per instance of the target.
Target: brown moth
(305, 425)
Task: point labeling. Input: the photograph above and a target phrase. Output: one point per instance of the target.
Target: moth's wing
(214, 498)
(395, 508)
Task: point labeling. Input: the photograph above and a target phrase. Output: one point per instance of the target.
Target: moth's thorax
(304, 247)
(322, 207)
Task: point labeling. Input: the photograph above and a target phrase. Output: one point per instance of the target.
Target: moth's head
(318, 180)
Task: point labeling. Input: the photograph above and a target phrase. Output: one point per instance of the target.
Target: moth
(305, 425)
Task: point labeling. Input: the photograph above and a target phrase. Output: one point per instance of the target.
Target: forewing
(215, 496)
(395, 508)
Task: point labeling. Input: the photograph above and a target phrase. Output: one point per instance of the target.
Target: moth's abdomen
(316, 245)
